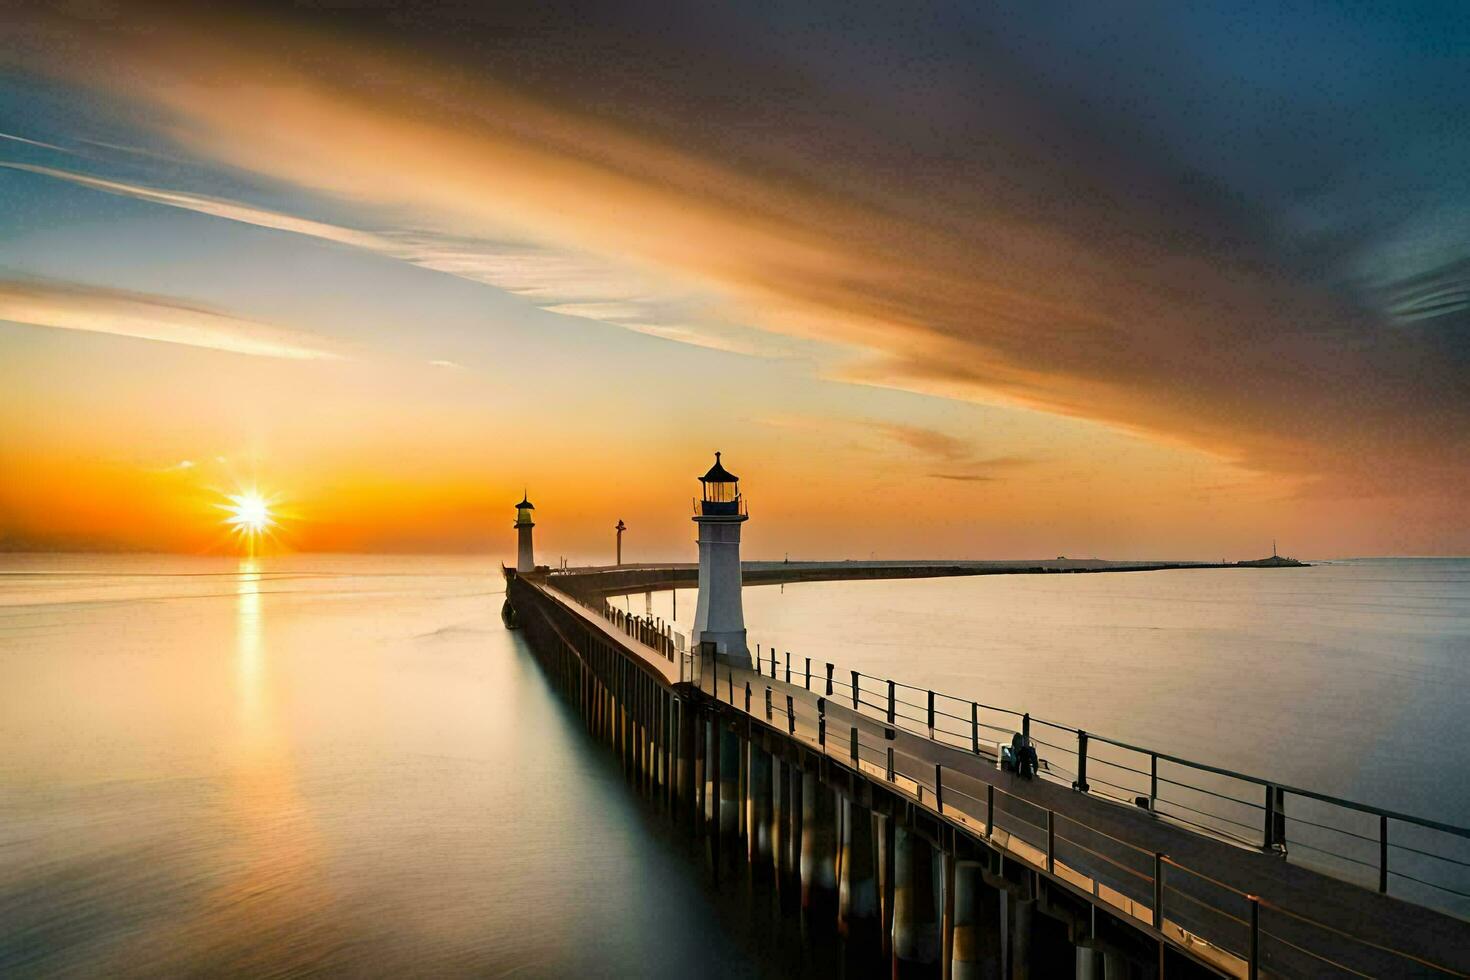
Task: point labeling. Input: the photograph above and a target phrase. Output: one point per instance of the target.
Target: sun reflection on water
(275, 877)
(248, 642)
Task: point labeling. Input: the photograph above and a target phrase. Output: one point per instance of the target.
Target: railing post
(1268, 833)
(855, 676)
(790, 716)
(892, 703)
(829, 680)
(808, 673)
(747, 697)
(730, 684)
(768, 702)
(939, 788)
(931, 714)
(1051, 841)
(854, 747)
(788, 666)
(1158, 891)
(1253, 961)
(890, 763)
(822, 732)
(989, 809)
(773, 663)
(1153, 782)
(1081, 783)
(1382, 855)
(974, 728)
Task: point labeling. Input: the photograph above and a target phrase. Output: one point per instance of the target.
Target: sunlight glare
(249, 516)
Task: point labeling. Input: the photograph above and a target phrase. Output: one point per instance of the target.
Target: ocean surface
(346, 764)
(311, 764)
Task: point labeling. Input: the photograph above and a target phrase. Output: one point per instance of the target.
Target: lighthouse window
(721, 493)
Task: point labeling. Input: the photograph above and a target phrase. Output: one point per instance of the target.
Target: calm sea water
(318, 764)
(347, 765)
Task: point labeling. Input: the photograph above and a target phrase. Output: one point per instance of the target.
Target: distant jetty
(1275, 561)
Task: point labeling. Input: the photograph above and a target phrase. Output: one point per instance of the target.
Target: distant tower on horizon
(525, 554)
(719, 616)
(620, 529)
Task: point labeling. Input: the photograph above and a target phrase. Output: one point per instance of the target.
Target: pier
(935, 836)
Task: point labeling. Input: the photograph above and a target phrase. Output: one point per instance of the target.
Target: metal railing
(651, 631)
(1413, 858)
(1235, 931)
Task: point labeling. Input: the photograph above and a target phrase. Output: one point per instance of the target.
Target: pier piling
(857, 898)
(916, 940)
(729, 788)
(975, 940)
(760, 820)
(818, 845)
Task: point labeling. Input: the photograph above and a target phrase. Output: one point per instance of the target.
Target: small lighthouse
(719, 616)
(525, 554)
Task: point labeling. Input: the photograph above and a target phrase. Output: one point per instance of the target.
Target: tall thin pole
(620, 529)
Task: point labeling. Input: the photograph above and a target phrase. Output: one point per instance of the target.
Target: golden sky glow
(404, 280)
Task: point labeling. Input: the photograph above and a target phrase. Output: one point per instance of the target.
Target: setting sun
(250, 516)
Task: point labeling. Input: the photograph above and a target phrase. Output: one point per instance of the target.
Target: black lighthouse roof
(525, 504)
(718, 474)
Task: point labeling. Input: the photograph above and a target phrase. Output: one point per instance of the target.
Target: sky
(1126, 281)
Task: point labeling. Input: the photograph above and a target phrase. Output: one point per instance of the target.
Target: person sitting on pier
(1019, 757)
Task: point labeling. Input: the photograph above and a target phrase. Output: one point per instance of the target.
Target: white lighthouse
(719, 616)
(525, 555)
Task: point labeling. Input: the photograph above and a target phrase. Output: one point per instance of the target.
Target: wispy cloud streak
(159, 318)
(557, 281)
(30, 142)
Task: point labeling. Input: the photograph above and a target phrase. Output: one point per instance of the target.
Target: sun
(250, 513)
(249, 516)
